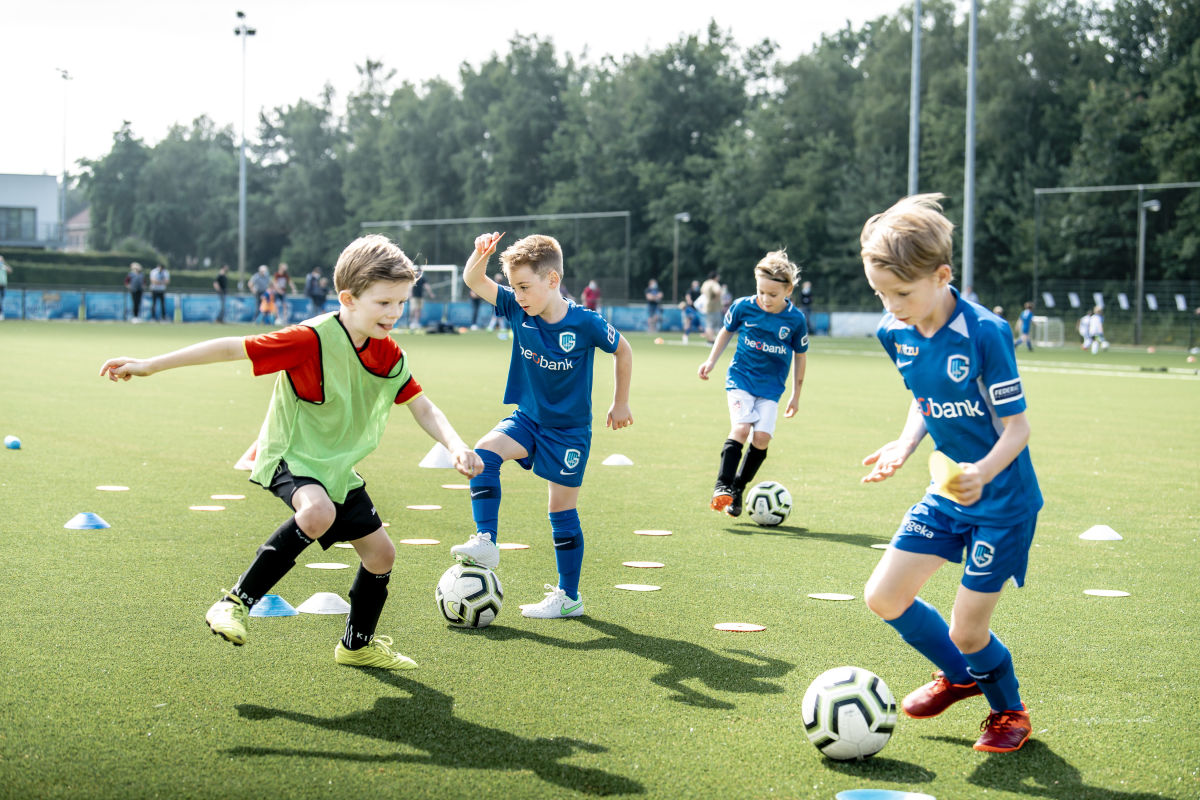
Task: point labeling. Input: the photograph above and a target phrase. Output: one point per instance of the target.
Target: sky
(157, 63)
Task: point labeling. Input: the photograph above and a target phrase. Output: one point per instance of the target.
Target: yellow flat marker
(942, 470)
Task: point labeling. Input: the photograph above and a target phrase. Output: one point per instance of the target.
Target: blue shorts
(692, 316)
(994, 554)
(557, 454)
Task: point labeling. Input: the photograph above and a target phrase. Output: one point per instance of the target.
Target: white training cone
(1100, 533)
(617, 460)
(86, 521)
(438, 458)
(324, 603)
(246, 462)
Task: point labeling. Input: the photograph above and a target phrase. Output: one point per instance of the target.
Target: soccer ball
(848, 713)
(469, 596)
(769, 503)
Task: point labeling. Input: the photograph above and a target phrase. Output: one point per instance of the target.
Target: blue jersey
(550, 374)
(964, 379)
(1026, 320)
(765, 343)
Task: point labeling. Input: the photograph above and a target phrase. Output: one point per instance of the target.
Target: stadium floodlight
(62, 195)
(1143, 207)
(244, 31)
(682, 216)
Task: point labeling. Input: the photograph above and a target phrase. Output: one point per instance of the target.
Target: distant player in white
(1096, 330)
(958, 360)
(768, 330)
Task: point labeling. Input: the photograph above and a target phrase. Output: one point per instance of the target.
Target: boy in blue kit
(550, 381)
(338, 377)
(1025, 324)
(958, 360)
(769, 329)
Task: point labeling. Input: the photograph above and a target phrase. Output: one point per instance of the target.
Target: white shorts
(757, 412)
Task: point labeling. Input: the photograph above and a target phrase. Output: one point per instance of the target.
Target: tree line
(760, 152)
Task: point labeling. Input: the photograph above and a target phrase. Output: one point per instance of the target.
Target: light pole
(1148, 205)
(244, 31)
(62, 196)
(682, 216)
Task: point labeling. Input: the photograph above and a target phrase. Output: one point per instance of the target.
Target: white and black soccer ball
(469, 596)
(848, 713)
(768, 503)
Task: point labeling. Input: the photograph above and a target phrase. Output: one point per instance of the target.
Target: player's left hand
(886, 461)
(468, 462)
(792, 406)
(619, 416)
(967, 487)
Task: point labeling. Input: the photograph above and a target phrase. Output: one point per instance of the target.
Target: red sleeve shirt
(297, 351)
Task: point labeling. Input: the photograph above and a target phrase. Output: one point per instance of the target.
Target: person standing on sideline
(711, 291)
(338, 376)
(160, 278)
(958, 361)
(497, 321)
(421, 290)
(591, 296)
(221, 287)
(769, 329)
(259, 283)
(5, 271)
(1025, 325)
(691, 317)
(550, 381)
(135, 282)
(654, 296)
(282, 283)
(316, 288)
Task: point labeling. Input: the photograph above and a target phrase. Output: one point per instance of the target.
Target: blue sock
(923, 628)
(993, 668)
(568, 549)
(485, 496)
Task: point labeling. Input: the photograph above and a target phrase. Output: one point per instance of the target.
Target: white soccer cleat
(477, 550)
(555, 605)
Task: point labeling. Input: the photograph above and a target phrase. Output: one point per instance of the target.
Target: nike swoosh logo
(975, 572)
(480, 492)
(527, 325)
(564, 472)
(903, 363)
(749, 324)
(566, 609)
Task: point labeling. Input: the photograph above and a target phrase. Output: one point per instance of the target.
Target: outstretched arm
(475, 272)
(434, 422)
(719, 345)
(228, 348)
(619, 415)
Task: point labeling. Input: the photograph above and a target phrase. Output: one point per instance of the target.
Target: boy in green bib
(337, 377)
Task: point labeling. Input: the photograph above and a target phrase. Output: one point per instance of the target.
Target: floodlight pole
(62, 197)
(1143, 207)
(914, 102)
(682, 216)
(968, 257)
(243, 31)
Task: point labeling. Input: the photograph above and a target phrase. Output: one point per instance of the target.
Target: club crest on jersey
(784, 332)
(958, 367)
(566, 340)
(571, 458)
(982, 554)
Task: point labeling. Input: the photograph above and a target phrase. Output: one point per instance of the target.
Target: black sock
(731, 454)
(366, 604)
(274, 559)
(754, 460)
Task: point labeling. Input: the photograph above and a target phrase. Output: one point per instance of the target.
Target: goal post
(1048, 331)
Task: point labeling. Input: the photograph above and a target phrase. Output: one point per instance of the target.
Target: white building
(29, 211)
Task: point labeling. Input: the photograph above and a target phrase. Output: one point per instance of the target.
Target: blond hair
(775, 266)
(542, 254)
(912, 238)
(369, 260)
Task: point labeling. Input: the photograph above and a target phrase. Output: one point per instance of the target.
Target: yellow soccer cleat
(228, 618)
(378, 653)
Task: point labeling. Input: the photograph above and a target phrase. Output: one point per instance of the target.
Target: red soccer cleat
(722, 497)
(935, 697)
(1004, 731)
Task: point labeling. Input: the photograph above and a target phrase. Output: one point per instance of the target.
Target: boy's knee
(761, 440)
(969, 640)
(316, 518)
(883, 605)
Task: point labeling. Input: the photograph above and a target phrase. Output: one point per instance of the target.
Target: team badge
(571, 458)
(982, 554)
(958, 367)
(566, 340)
(784, 332)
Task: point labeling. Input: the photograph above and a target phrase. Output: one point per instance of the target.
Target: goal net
(1048, 332)
(443, 280)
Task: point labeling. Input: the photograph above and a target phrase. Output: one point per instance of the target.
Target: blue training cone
(86, 520)
(272, 605)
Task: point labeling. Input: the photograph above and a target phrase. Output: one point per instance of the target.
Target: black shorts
(356, 517)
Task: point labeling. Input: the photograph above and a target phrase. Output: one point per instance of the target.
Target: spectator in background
(416, 303)
(591, 296)
(135, 282)
(713, 311)
(691, 317)
(259, 282)
(806, 300)
(476, 303)
(5, 269)
(497, 321)
(969, 294)
(654, 296)
(221, 285)
(281, 282)
(160, 278)
(316, 288)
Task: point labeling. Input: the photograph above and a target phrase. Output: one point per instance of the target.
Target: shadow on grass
(749, 528)
(883, 769)
(425, 721)
(1038, 771)
(683, 661)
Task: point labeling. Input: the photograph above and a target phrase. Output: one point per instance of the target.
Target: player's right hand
(705, 368)
(485, 243)
(886, 460)
(124, 368)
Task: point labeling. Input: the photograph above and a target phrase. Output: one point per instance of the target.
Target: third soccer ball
(848, 713)
(469, 596)
(768, 503)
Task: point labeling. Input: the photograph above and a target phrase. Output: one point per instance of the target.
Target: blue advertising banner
(12, 304)
(105, 305)
(39, 304)
(148, 310)
(626, 318)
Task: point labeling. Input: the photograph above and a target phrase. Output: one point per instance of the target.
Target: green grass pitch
(112, 686)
